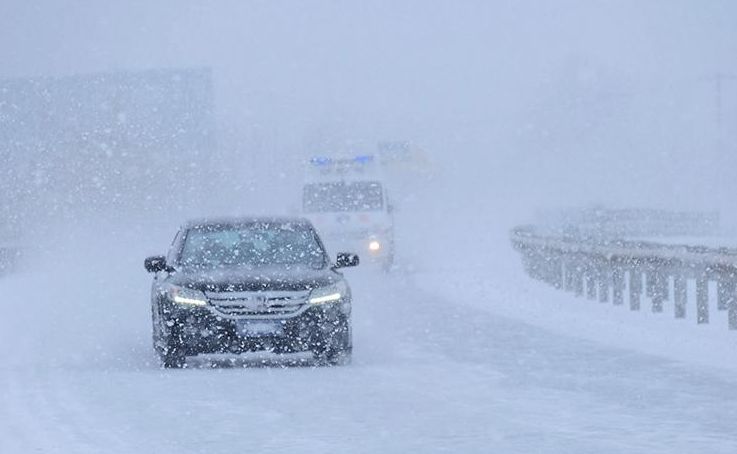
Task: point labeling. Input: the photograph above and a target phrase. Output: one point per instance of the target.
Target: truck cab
(347, 201)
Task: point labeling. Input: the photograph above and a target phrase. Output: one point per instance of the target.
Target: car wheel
(333, 358)
(337, 350)
(172, 356)
(341, 358)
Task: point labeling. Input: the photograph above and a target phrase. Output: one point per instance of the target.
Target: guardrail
(607, 269)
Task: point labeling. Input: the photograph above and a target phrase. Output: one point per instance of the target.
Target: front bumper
(202, 331)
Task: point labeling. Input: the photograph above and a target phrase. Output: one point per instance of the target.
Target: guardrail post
(604, 277)
(664, 287)
(635, 288)
(578, 279)
(590, 282)
(618, 285)
(702, 300)
(568, 280)
(725, 291)
(556, 272)
(657, 290)
(728, 296)
(650, 283)
(680, 295)
(732, 315)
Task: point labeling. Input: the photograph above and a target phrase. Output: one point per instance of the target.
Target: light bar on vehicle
(321, 161)
(342, 166)
(364, 159)
(324, 160)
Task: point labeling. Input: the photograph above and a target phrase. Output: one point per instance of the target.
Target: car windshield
(343, 196)
(253, 245)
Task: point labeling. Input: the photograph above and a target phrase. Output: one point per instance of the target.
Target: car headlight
(186, 296)
(374, 245)
(330, 293)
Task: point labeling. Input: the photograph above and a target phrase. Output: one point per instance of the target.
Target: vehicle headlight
(330, 293)
(186, 296)
(374, 245)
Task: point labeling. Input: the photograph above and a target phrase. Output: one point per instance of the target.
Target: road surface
(431, 373)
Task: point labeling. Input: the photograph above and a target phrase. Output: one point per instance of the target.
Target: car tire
(333, 358)
(337, 350)
(342, 358)
(172, 356)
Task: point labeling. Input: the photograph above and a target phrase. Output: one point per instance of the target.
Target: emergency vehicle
(347, 201)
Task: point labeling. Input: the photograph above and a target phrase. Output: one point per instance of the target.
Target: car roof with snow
(243, 220)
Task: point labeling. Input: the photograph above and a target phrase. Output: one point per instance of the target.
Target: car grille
(257, 304)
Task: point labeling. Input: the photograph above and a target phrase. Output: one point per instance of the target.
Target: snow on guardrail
(608, 268)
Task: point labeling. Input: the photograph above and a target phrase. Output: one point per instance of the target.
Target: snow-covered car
(250, 284)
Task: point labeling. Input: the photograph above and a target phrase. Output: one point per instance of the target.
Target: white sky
(557, 102)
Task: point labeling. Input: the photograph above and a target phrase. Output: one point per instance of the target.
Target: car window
(342, 196)
(252, 245)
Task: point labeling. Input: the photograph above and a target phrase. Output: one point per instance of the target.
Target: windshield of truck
(343, 196)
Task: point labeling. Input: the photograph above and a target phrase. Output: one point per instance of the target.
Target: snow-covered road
(432, 372)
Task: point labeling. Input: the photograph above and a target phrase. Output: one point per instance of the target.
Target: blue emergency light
(364, 159)
(321, 161)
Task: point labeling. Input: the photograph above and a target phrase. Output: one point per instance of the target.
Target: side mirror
(155, 264)
(346, 260)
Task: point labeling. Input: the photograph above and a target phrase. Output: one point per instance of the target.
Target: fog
(530, 103)
(517, 107)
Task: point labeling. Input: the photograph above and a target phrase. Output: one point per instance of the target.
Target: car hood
(254, 279)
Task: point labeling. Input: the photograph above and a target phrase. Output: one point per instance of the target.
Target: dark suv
(250, 284)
